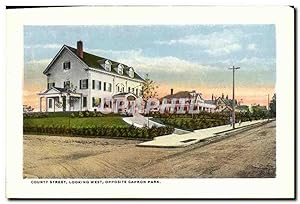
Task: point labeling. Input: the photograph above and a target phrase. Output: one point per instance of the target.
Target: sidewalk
(183, 140)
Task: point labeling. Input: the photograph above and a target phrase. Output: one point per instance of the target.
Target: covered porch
(58, 99)
(124, 102)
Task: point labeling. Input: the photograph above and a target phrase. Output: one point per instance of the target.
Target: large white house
(78, 81)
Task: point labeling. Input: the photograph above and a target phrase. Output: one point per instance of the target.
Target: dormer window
(67, 65)
(131, 72)
(120, 69)
(107, 65)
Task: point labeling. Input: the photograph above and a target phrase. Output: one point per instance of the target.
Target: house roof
(57, 90)
(213, 102)
(180, 94)
(226, 108)
(125, 94)
(60, 89)
(94, 61)
(227, 102)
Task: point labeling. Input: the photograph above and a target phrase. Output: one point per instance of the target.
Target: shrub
(86, 113)
(101, 131)
(80, 114)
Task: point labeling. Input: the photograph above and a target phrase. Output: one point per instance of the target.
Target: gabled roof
(226, 108)
(56, 89)
(124, 94)
(94, 61)
(181, 94)
(227, 102)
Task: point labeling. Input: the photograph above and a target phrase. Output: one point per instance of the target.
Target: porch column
(46, 98)
(67, 103)
(80, 103)
(41, 103)
(60, 101)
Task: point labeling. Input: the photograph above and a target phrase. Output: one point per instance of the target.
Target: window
(128, 89)
(84, 102)
(93, 84)
(107, 65)
(132, 90)
(104, 86)
(67, 84)
(67, 65)
(94, 102)
(122, 89)
(50, 103)
(50, 85)
(136, 92)
(131, 72)
(99, 102)
(120, 69)
(99, 85)
(109, 87)
(83, 84)
(118, 89)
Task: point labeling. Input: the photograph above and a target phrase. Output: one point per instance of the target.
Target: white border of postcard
(280, 187)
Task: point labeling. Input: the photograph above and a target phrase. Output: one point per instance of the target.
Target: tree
(273, 106)
(149, 89)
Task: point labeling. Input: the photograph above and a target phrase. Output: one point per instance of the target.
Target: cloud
(39, 62)
(258, 61)
(215, 44)
(165, 64)
(226, 49)
(43, 46)
(112, 54)
(252, 47)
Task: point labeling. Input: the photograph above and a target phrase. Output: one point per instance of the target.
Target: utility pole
(268, 110)
(233, 99)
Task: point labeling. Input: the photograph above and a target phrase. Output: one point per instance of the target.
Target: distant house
(224, 104)
(96, 82)
(173, 102)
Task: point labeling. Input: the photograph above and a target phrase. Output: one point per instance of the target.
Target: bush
(80, 114)
(35, 115)
(101, 131)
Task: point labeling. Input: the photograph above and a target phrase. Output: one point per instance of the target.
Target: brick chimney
(172, 91)
(79, 51)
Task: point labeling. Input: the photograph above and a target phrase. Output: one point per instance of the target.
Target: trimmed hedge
(80, 114)
(203, 119)
(192, 124)
(96, 131)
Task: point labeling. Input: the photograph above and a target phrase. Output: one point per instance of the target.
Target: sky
(182, 57)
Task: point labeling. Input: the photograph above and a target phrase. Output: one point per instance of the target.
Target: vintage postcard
(150, 102)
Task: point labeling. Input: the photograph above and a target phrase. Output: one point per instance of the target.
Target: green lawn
(76, 122)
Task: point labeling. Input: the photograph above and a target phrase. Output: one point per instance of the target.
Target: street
(247, 154)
